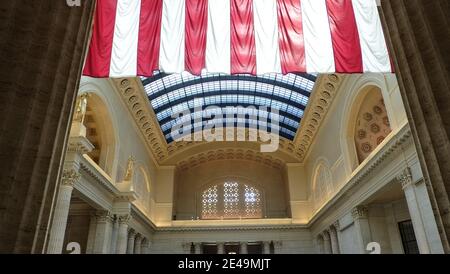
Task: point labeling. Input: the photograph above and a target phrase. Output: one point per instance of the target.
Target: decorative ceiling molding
(132, 92)
(319, 103)
(230, 154)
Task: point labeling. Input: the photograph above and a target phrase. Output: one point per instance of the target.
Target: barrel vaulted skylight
(173, 94)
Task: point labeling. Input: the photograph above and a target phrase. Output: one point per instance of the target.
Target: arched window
(372, 124)
(231, 200)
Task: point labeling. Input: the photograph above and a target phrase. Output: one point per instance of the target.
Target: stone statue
(81, 107)
(130, 168)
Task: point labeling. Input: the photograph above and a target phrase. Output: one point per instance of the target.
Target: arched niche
(322, 187)
(366, 125)
(100, 132)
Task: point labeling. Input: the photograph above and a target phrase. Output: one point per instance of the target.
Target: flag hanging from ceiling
(137, 37)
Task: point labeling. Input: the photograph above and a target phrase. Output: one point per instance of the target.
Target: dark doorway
(408, 237)
(209, 249)
(255, 248)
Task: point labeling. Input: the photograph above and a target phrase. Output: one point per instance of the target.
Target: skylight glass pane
(177, 93)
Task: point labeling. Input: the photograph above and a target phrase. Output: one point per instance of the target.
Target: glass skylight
(176, 94)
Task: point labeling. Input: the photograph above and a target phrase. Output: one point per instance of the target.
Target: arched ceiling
(173, 94)
(135, 97)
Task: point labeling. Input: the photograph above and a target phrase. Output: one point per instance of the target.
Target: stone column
(220, 248)
(419, 37)
(266, 247)
(39, 85)
(137, 244)
(320, 244)
(277, 246)
(244, 248)
(198, 248)
(59, 225)
(187, 248)
(362, 228)
(122, 237)
(115, 235)
(145, 249)
(91, 234)
(334, 240)
(421, 213)
(131, 236)
(326, 242)
(103, 233)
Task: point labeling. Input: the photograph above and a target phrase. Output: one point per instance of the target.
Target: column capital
(131, 233)
(138, 237)
(359, 212)
(325, 235)
(70, 177)
(104, 216)
(124, 219)
(337, 226)
(405, 178)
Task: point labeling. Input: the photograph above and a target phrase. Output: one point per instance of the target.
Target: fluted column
(145, 246)
(103, 232)
(334, 240)
(131, 237)
(320, 244)
(326, 242)
(122, 237)
(277, 246)
(198, 248)
(114, 235)
(266, 247)
(419, 37)
(244, 248)
(59, 224)
(421, 213)
(42, 44)
(362, 228)
(137, 244)
(220, 248)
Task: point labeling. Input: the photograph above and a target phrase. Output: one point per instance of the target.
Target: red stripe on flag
(98, 60)
(196, 30)
(149, 37)
(345, 36)
(243, 45)
(291, 38)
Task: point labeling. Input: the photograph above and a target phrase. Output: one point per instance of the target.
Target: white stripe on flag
(218, 42)
(171, 59)
(266, 36)
(318, 42)
(373, 44)
(125, 41)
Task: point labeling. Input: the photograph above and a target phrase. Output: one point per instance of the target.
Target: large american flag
(137, 37)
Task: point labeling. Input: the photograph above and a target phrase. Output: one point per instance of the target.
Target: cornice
(320, 101)
(231, 228)
(132, 93)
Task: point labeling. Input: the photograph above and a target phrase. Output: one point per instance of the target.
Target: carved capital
(70, 177)
(131, 233)
(326, 235)
(359, 212)
(337, 226)
(104, 216)
(405, 178)
(124, 219)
